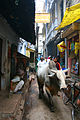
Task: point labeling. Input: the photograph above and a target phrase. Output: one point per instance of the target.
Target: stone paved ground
(38, 109)
(12, 106)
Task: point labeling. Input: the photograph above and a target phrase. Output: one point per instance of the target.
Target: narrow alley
(38, 109)
(39, 53)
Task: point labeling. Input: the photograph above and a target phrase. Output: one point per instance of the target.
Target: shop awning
(71, 15)
(21, 56)
(20, 15)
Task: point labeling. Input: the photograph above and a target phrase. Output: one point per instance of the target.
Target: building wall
(57, 10)
(73, 2)
(7, 32)
(59, 6)
(40, 44)
(40, 38)
(8, 37)
(22, 45)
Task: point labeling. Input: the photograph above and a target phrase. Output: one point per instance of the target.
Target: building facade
(56, 10)
(72, 37)
(8, 38)
(15, 21)
(40, 8)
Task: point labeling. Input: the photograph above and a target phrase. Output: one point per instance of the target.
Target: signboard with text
(42, 17)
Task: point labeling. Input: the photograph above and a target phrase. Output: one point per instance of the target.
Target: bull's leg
(41, 92)
(50, 99)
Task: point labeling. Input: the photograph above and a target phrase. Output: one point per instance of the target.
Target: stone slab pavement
(12, 105)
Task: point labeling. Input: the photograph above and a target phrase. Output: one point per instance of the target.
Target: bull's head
(61, 76)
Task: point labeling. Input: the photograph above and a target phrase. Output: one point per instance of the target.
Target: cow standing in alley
(53, 79)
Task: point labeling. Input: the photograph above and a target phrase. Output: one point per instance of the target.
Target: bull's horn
(66, 70)
(54, 71)
(68, 76)
(49, 75)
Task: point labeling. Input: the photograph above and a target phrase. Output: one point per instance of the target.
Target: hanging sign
(42, 17)
(28, 53)
(61, 46)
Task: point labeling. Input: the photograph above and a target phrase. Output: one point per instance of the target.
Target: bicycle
(71, 95)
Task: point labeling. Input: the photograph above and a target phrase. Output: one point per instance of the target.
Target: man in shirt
(40, 63)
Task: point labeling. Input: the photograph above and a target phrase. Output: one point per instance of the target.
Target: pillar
(66, 54)
(79, 53)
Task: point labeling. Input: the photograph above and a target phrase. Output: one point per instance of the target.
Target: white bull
(53, 79)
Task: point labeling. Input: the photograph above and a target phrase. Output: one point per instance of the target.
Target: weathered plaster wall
(8, 37)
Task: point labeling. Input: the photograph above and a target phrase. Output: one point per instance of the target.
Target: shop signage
(30, 47)
(42, 17)
(28, 53)
(61, 46)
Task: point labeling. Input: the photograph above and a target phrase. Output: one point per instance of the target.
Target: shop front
(73, 54)
(61, 48)
(72, 35)
(30, 52)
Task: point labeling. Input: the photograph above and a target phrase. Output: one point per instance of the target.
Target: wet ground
(38, 109)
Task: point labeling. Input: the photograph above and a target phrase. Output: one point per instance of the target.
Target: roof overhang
(21, 56)
(20, 14)
(73, 29)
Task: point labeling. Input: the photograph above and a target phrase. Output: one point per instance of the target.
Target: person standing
(52, 64)
(56, 60)
(40, 63)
